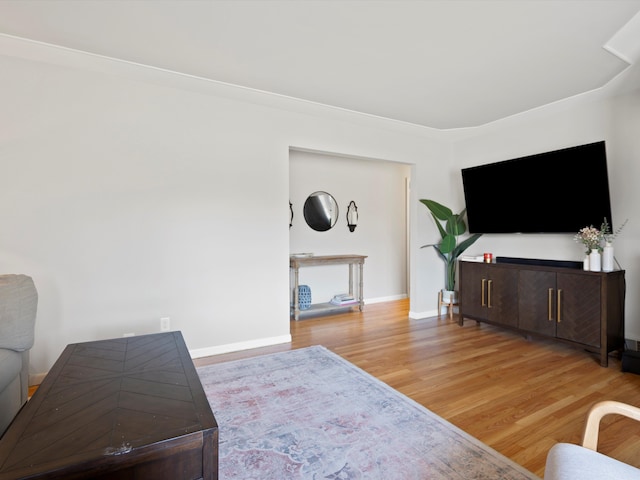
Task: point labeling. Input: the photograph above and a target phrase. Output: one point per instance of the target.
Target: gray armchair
(18, 305)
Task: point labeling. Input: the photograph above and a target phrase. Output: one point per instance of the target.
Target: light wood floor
(518, 396)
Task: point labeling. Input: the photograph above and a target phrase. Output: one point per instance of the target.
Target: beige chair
(566, 461)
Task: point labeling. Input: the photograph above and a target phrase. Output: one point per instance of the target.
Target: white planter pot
(449, 296)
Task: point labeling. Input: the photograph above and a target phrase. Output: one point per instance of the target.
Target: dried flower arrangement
(592, 238)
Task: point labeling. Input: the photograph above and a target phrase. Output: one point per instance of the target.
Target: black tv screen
(553, 192)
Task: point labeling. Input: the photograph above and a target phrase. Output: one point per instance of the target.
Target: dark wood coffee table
(127, 408)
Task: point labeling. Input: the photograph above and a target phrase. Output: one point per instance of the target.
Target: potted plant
(451, 226)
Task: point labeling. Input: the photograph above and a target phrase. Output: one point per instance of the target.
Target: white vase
(594, 260)
(585, 263)
(607, 257)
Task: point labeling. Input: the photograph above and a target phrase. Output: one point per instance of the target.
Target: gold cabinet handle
(489, 293)
(484, 281)
(559, 304)
(550, 308)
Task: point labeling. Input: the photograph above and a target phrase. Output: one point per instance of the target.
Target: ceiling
(441, 64)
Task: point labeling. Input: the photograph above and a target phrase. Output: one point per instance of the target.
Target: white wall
(586, 122)
(625, 196)
(378, 189)
(129, 194)
(581, 120)
(123, 201)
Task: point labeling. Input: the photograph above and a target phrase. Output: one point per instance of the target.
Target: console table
(124, 408)
(297, 262)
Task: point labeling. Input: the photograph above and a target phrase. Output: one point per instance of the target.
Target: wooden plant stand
(448, 304)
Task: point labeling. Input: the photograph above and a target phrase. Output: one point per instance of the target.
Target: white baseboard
(370, 301)
(36, 378)
(236, 347)
(420, 315)
(430, 313)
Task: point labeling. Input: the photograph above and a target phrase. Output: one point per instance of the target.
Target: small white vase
(594, 260)
(585, 263)
(607, 257)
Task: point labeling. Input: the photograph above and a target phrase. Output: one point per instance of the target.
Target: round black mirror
(320, 211)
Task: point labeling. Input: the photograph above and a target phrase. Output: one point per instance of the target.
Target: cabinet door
(579, 308)
(537, 302)
(502, 296)
(473, 284)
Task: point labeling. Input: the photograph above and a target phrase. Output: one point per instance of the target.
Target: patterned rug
(310, 414)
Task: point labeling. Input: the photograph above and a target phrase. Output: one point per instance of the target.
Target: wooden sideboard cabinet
(489, 293)
(584, 309)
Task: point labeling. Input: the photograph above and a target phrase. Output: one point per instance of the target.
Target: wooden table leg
(448, 305)
(296, 305)
(351, 279)
(361, 287)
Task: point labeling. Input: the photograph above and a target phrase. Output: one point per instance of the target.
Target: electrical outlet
(129, 334)
(165, 324)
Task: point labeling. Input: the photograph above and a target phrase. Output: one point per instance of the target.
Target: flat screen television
(560, 191)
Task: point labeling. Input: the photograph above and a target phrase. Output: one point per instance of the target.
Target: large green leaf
(443, 232)
(465, 244)
(456, 226)
(438, 210)
(448, 244)
(450, 226)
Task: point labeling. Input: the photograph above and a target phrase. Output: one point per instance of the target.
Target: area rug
(310, 414)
